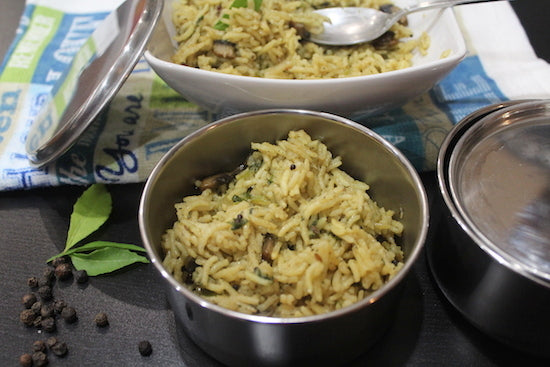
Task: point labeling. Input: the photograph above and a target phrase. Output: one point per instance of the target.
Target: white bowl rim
(455, 58)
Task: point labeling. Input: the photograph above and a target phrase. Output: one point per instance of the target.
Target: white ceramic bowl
(228, 94)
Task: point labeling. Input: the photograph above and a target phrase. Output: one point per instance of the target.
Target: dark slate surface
(427, 331)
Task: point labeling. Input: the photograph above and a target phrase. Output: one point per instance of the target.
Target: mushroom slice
(267, 247)
(225, 49)
(390, 9)
(301, 30)
(215, 181)
(386, 41)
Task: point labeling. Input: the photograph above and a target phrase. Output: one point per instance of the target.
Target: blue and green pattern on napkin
(146, 118)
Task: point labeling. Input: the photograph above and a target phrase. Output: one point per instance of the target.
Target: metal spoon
(353, 25)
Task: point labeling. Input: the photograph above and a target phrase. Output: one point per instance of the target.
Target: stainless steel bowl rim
(447, 148)
(157, 262)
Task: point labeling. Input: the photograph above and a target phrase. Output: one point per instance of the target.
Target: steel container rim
(442, 172)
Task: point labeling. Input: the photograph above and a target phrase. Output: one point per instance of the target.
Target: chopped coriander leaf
(239, 4)
(238, 222)
(255, 161)
(244, 196)
(257, 5)
(259, 273)
(222, 26)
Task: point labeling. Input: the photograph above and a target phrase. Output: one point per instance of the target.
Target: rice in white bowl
(268, 38)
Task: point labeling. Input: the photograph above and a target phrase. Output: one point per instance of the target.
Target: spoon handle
(434, 4)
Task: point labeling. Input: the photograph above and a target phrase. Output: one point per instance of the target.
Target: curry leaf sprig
(222, 26)
(91, 211)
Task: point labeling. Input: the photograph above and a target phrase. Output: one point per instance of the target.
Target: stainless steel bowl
(244, 340)
(494, 263)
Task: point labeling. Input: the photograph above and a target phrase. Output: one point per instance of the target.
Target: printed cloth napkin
(146, 118)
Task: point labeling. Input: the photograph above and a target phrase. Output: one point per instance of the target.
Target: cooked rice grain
(328, 243)
(267, 42)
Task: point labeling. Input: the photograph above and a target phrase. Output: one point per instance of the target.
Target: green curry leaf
(95, 245)
(105, 260)
(90, 211)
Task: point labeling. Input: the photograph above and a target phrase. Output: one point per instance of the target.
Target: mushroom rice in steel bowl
(286, 234)
(204, 231)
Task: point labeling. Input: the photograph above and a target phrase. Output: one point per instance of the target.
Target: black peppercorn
(36, 307)
(63, 271)
(81, 276)
(37, 323)
(48, 324)
(58, 261)
(145, 348)
(46, 311)
(292, 167)
(69, 314)
(28, 300)
(44, 281)
(25, 360)
(50, 342)
(27, 317)
(48, 273)
(101, 319)
(39, 359)
(59, 305)
(45, 292)
(32, 282)
(39, 346)
(59, 349)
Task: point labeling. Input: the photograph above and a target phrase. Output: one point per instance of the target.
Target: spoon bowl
(353, 25)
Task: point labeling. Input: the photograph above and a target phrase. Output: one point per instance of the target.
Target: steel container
(246, 340)
(493, 260)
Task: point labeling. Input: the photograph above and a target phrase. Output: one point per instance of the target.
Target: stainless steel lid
(97, 72)
(499, 178)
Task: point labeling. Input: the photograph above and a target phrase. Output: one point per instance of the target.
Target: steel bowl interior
(224, 145)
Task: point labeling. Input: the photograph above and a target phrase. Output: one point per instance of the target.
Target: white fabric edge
(520, 75)
(79, 7)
